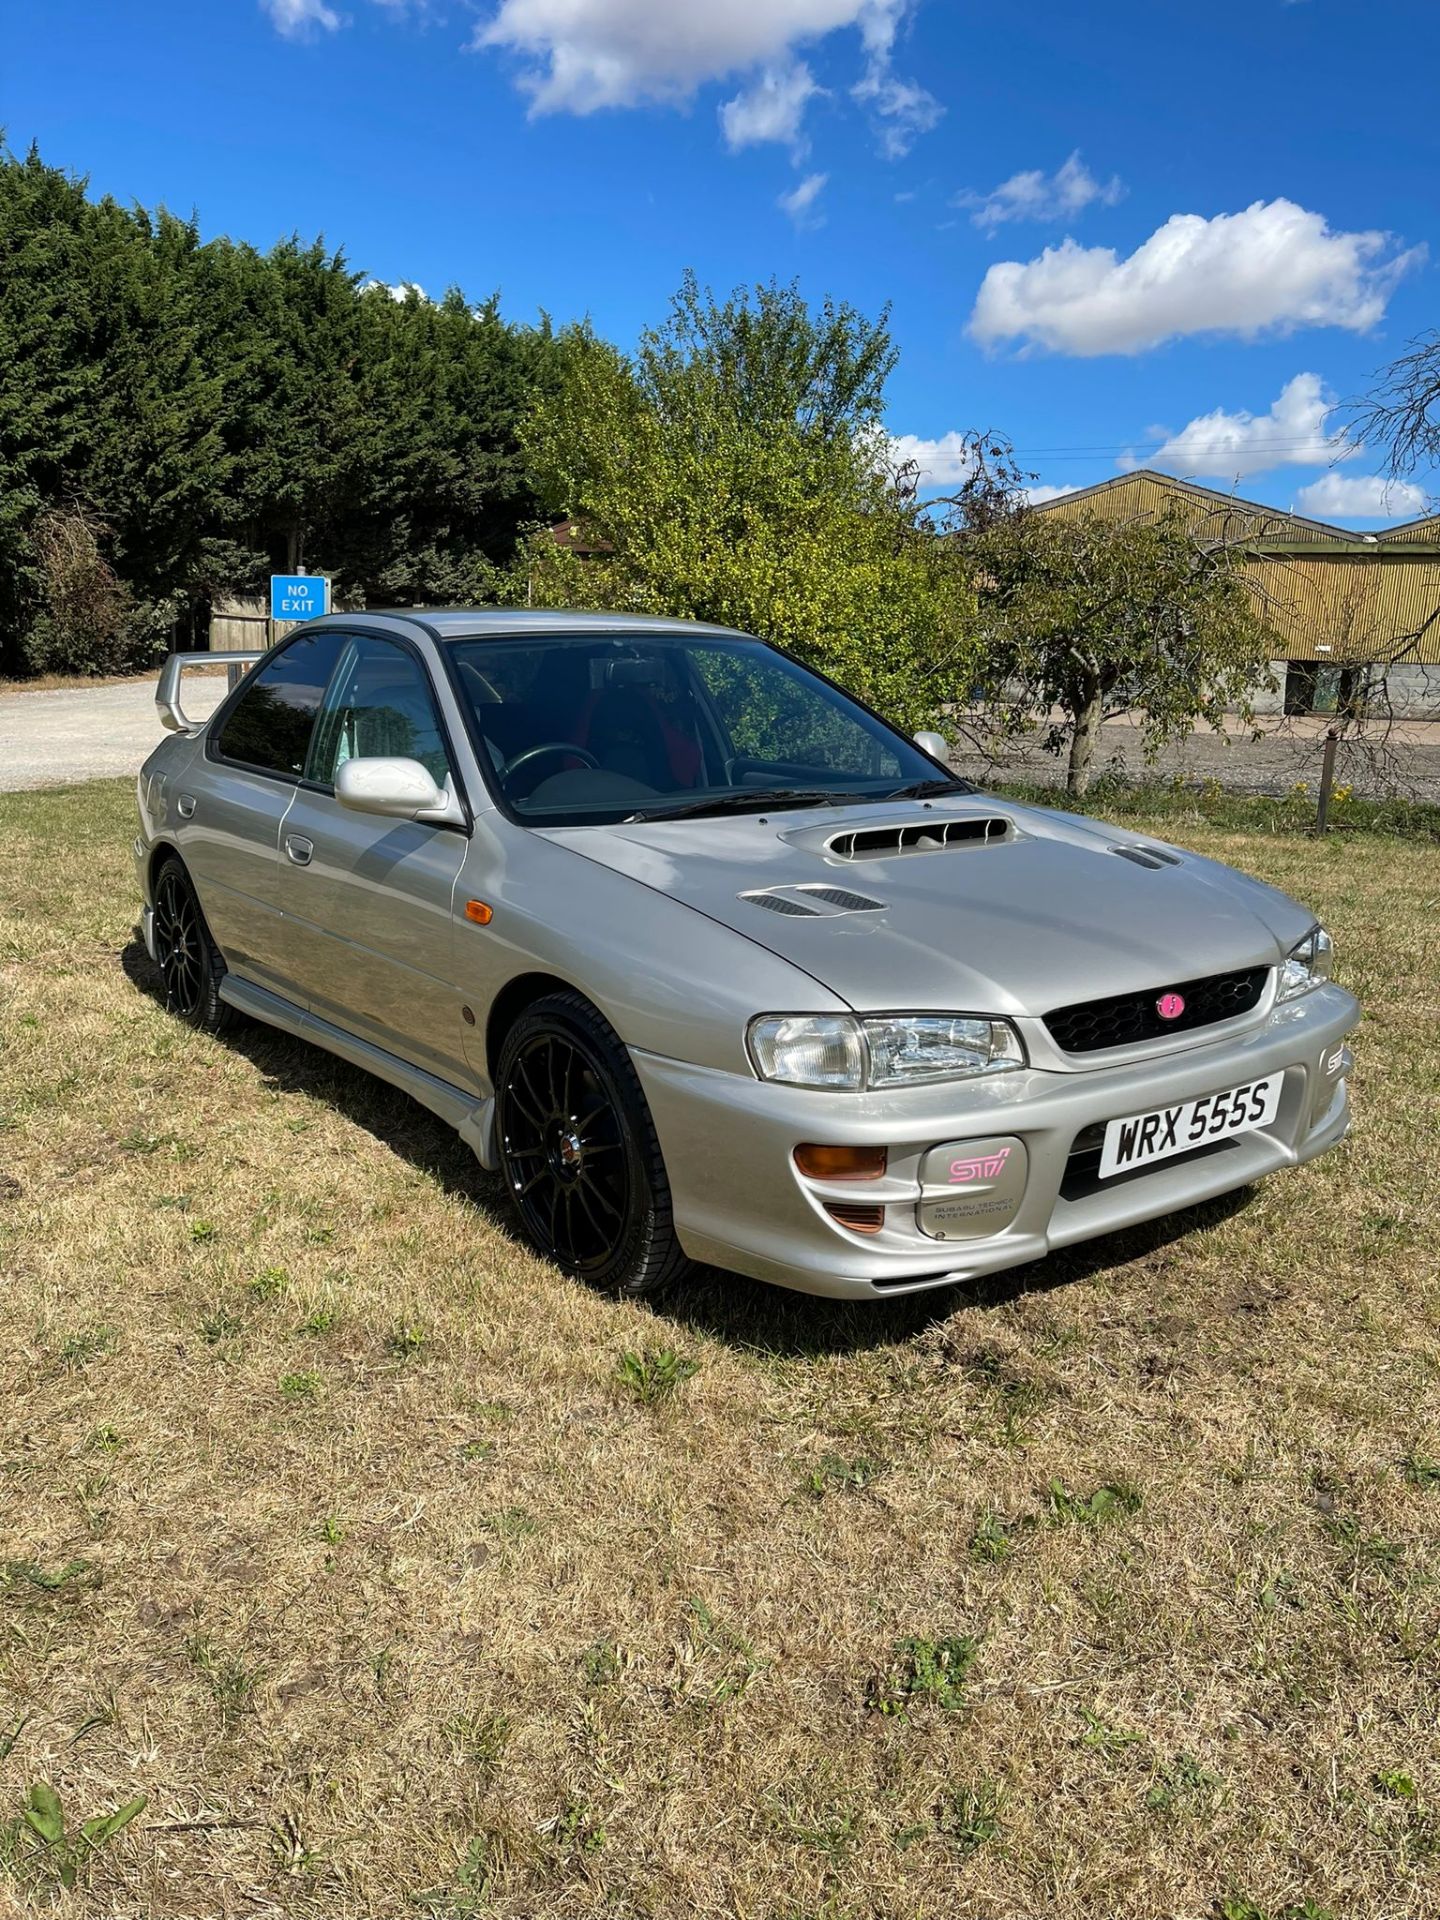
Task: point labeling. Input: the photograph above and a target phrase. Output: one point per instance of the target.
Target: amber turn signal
(840, 1163)
(477, 911)
(857, 1219)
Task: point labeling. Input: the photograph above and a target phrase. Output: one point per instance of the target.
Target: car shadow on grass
(745, 1314)
(761, 1319)
(289, 1065)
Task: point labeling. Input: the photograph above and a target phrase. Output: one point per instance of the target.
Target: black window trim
(347, 633)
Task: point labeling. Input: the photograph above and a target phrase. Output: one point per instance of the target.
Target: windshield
(583, 729)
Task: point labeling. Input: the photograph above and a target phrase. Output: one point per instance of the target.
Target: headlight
(1307, 964)
(808, 1049)
(886, 1050)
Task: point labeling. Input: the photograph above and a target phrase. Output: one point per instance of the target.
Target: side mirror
(936, 745)
(397, 790)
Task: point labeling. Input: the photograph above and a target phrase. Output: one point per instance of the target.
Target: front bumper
(740, 1203)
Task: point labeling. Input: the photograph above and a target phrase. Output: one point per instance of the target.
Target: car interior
(590, 727)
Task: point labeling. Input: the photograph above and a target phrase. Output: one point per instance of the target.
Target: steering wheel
(548, 746)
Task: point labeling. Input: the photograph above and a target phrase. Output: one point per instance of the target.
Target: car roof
(475, 623)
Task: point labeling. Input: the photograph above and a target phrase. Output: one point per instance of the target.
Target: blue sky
(1130, 233)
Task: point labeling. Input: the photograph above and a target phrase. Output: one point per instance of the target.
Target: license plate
(1143, 1138)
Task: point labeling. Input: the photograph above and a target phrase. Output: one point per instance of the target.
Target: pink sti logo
(984, 1167)
(1170, 1006)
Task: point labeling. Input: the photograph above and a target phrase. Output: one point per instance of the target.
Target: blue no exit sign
(298, 596)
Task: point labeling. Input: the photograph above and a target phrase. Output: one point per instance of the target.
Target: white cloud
(1370, 496)
(587, 54)
(1268, 269)
(772, 109)
(400, 291)
(582, 55)
(1292, 433)
(904, 109)
(943, 462)
(1036, 195)
(298, 18)
(800, 201)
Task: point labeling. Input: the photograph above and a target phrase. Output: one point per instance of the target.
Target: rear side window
(270, 724)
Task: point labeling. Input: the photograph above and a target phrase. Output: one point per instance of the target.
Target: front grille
(1129, 1018)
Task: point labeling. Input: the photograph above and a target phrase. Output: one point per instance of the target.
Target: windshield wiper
(927, 790)
(748, 800)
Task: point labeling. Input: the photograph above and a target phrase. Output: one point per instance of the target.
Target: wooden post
(1327, 779)
(238, 626)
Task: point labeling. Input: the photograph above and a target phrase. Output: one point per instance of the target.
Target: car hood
(1043, 914)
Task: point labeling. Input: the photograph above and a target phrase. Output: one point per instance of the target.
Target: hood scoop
(927, 836)
(813, 903)
(1151, 857)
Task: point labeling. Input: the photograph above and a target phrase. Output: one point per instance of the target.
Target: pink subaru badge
(1170, 1006)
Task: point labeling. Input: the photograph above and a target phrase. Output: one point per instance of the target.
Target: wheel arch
(162, 851)
(512, 1000)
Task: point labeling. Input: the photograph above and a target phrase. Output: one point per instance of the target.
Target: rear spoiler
(167, 694)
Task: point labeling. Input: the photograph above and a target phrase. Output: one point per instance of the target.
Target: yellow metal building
(1358, 613)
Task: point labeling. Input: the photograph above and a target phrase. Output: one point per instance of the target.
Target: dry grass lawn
(403, 1577)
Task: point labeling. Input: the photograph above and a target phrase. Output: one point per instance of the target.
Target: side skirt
(472, 1119)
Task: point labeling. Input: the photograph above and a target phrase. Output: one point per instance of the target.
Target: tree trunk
(1084, 739)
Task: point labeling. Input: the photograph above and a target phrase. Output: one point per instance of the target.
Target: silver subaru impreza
(712, 964)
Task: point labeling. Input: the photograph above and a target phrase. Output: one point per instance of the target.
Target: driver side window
(379, 705)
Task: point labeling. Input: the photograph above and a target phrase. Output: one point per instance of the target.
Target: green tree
(179, 418)
(1098, 617)
(732, 471)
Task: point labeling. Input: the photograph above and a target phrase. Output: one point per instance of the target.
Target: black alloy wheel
(190, 964)
(579, 1152)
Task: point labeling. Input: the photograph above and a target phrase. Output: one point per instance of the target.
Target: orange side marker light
(840, 1163)
(477, 911)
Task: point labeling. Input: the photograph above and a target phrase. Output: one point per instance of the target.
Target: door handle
(299, 849)
(185, 806)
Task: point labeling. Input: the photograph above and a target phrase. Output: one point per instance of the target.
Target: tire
(191, 967)
(579, 1153)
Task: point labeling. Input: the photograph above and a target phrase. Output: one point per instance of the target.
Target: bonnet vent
(1151, 857)
(814, 903)
(930, 836)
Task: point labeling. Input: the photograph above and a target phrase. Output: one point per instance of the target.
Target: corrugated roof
(1330, 593)
(1424, 532)
(1146, 491)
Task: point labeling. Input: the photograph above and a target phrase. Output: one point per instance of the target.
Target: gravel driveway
(89, 733)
